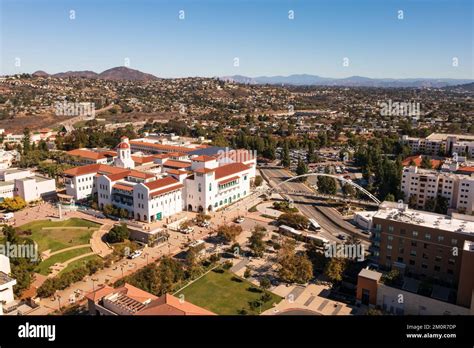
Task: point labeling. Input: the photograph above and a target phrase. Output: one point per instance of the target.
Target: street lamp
(121, 267)
(59, 301)
(93, 281)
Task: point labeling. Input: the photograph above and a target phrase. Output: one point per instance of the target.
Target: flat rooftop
(367, 273)
(427, 219)
(37, 178)
(444, 136)
(5, 279)
(14, 170)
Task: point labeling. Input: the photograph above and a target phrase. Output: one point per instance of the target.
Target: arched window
(199, 187)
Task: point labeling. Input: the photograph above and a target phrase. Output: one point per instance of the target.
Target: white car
(239, 220)
(205, 224)
(187, 230)
(135, 254)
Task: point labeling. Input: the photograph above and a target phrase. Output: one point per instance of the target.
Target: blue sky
(259, 32)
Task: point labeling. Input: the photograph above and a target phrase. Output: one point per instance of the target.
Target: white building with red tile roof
(176, 180)
(211, 187)
(143, 196)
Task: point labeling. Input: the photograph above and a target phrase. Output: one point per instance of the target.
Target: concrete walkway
(266, 208)
(312, 298)
(96, 242)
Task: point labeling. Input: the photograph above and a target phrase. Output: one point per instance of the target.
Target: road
(331, 221)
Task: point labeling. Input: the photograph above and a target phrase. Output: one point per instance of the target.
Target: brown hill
(84, 74)
(124, 73)
(40, 73)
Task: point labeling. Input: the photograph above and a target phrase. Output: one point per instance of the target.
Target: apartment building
(425, 184)
(439, 143)
(423, 145)
(427, 245)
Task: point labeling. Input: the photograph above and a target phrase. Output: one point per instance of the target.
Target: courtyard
(224, 293)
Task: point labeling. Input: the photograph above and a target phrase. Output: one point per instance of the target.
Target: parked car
(239, 220)
(186, 230)
(135, 254)
(342, 236)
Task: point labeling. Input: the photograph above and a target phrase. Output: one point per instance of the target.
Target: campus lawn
(43, 267)
(78, 263)
(226, 294)
(65, 236)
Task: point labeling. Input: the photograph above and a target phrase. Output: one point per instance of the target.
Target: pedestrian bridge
(278, 188)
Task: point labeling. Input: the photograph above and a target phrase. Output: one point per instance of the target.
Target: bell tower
(124, 155)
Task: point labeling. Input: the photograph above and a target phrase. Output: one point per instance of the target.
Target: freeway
(329, 218)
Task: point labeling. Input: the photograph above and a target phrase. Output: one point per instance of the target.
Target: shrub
(118, 234)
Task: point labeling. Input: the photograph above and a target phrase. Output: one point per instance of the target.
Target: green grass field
(60, 238)
(78, 263)
(43, 267)
(226, 294)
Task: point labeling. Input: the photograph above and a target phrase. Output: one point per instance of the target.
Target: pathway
(97, 243)
(47, 253)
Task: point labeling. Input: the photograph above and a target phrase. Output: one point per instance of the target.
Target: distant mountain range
(118, 73)
(124, 73)
(353, 81)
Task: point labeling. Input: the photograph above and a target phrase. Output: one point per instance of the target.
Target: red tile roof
(142, 159)
(88, 154)
(169, 305)
(230, 169)
(176, 164)
(130, 172)
(204, 170)
(118, 176)
(129, 290)
(136, 293)
(98, 294)
(417, 159)
(161, 183)
(93, 168)
(466, 169)
(161, 147)
(203, 158)
(123, 187)
(109, 153)
(166, 190)
(228, 180)
(140, 175)
(177, 172)
(123, 146)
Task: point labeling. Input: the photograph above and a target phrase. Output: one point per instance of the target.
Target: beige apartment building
(425, 184)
